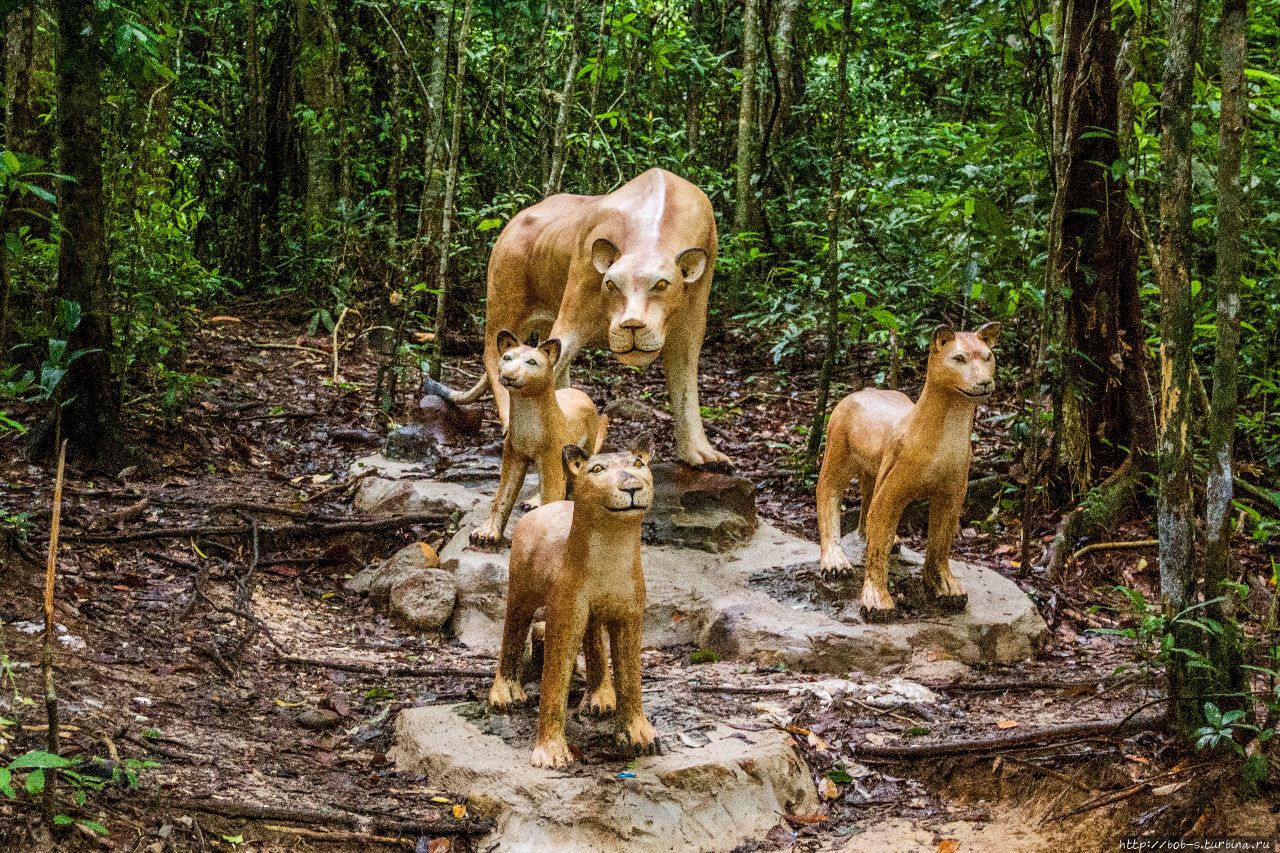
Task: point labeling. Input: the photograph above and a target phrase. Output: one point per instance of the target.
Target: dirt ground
(175, 649)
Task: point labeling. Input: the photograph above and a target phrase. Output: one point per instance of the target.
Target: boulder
(714, 788)
(412, 443)
(378, 581)
(388, 487)
(695, 508)
(447, 423)
(424, 601)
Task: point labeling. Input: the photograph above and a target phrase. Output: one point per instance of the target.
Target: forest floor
(175, 649)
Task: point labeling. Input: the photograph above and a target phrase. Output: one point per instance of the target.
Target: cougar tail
(602, 429)
(457, 398)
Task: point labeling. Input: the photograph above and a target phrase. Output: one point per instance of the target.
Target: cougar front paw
(702, 454)
(487, 535)
(876, 603)
(506, 693)
(639, 736)
(947, 591)
(835, 564)
(602, 702)
(552, 754)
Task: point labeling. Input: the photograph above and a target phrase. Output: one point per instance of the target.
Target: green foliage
(704, 656)
(31, 771)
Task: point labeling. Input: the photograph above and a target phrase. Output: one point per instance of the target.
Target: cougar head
(640, 292)
(528, 367)
(621, 484)
(962, 362)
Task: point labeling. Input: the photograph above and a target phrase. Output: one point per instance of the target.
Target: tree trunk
(1104, 407)
(830, 276)
(1175, 515)
(450, 190)
(785, 51)
(26, 50)
(86, 405)
(693, 91)
(253, 135)
(555, 171)
(1224, 649)
(745, 207)
(320, 83)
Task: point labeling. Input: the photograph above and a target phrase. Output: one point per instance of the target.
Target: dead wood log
(371, 824)
(1017, 740)
(318, 526)
(393, 671)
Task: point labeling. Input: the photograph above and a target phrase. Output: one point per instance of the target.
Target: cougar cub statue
(580, 560)
(543, 421)
(902, 452)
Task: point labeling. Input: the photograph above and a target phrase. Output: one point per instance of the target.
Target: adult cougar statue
(631, 269)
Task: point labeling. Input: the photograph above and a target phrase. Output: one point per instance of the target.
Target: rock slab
(710, 797)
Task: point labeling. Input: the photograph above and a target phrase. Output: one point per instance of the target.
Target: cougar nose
(633, 323)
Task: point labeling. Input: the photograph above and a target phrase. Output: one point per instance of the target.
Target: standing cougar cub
(901, 452)
(543, 421)
(580, 560)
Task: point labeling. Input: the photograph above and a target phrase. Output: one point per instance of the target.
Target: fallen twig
(371, 824)
(756, 690)
(1018, 686)
(1113, 546)
(393, 671)
(319, 525)
(128, 513)
(50, 629)
(1016, 740)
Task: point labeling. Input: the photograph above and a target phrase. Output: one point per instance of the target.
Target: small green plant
(704, 656)
(32, 769)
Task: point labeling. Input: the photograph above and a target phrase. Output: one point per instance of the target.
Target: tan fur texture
(631, 270)
(901, 452)
(580, 560)
(543, 421)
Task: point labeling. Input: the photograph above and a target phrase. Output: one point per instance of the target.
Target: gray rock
(317, 719)
(708, 792)
(700, 509)
(424, 601)
(395, 488)
(410, 561)
(411, 443)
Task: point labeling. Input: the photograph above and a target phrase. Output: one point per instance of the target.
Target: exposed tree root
(322, 526)
(1102, 509)
(388, 671)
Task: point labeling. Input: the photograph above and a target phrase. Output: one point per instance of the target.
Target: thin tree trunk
(556, 170)
(450, 190)
(87, 405)
(744, 209)
(1224, 649)
(321, 86)
(830, 275)
(253, 135)
(1175, 515)
(693, 91)
(785, 51)
(597, 74)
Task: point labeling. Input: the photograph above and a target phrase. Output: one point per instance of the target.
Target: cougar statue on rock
(580, 560)
(543, 421)
(632, 269)
(902, 452)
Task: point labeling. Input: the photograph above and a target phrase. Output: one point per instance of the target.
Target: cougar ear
(603, 255)
(507, 340)
(551, 346)
(642, 446)
(573, 457)
(988, 333)
(692, 264)
(943, 334)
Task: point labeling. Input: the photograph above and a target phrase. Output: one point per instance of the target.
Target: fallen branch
(394, 671)
(1113, 546)
(50, 631)
(113, 519)
(1017, 740)
(319, 525)
(335, 836)
(758, 690)
(1019, 686)
(370, 824)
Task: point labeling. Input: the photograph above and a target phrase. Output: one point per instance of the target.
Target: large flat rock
(760, 601)
(714, 788)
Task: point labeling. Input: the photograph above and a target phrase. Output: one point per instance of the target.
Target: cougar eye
(611, 285)
(532, 361)
(661, 285)
(639, 462)
(959, 358)
(507, 357)
(596, 469)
